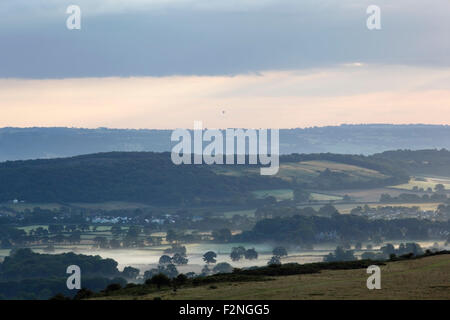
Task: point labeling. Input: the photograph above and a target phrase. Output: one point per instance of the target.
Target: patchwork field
(246, 213)
(368, 195)
(22, 206)
(288, 194)
(324, 197)
(279, 194)
(347, 207)
(305, 170)
(425, 183)
(426, 278)
(112, 205)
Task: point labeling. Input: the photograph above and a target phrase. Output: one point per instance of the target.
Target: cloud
(284, 99)
(212, 37)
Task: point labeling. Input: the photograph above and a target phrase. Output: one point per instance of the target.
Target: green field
(430, 182)
(304, 171)
(27, 229)
(246, 213)
(22, 206)
(324, 197)
(111, 205)
(279, 194)
(288, 194)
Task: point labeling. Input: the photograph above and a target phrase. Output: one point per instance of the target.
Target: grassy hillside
(424, 278)
(308, 171)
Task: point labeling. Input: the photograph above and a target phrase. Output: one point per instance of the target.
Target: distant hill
(143, 177)
(44, 143)
(152, 178)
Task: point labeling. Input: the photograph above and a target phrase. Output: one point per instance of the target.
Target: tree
(114, 243)
(101, 242)
(150, 273)
(171, 236)
(55, 228)
(222, 235)
(274, 261)
(251, 254)
(340, 255)
(301, 195)
(83, 227)
(413, 248)
(116, 230)
(130, 273)
(372, 256)
(75, 237)
(59, 238)
(279, 252)
(165, 259)
(328, 210)
(83, 294)
(6, 244)
(346, 245)
(170, 270)
(176, 248)
(269, 201)
(134, 232)
(205, 270)
(179, 259)
(210, 257)
(237, 253)
(439, 187)
(70, 228)
(181, 279)
(223, 267)
(148, 229)
(159, 280)
(388, 249)
(113, 287)
(385, 198)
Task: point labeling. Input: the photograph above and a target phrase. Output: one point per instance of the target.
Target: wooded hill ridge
(152, 178)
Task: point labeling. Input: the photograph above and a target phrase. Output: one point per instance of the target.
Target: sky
(234, 63)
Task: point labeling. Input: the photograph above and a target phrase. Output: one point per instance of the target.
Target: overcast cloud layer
(207, 37)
